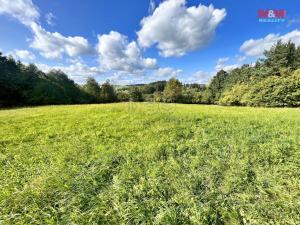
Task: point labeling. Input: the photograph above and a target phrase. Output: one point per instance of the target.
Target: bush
(173, 91)
(135, 94)
(235, 95)
(158, 96)
(123, 95)
(148, 97)
(107, 93)
(275, 91)
(92, 89)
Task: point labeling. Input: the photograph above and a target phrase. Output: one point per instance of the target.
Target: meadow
(149, 163)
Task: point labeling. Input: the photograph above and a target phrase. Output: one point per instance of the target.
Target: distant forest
(274, 81)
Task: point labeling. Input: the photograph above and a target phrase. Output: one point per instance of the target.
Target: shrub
(235, 95)
(123, 95)
(148, 97)
(173, 90)
(275, 91)
(107, 93)
(135, 94)
(158, 96)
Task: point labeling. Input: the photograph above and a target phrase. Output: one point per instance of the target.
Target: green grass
(143, 163)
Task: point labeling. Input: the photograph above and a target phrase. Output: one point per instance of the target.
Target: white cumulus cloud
(231, 67)
(78, 71)
(177, 29)
(23, 55)
(54, 45)
(256, 47)
(117, 53)
(201, 77)
(23, 10)
(222, 64)
(166, 73)
(50, 45)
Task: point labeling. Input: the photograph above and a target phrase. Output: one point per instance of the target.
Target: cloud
(23, 55)
(177, 29)
(204, 77)
(256, 47)
(222, 64)
(201, 77)
(49, 19)
(166, 73)
(77, 71)
(23, 10)
(121, 78)
(124, 78)
(151, 7)
(54, 45)
(51, 45)
(116, 53)
(240, 58)
(231, 67)
(81, 69)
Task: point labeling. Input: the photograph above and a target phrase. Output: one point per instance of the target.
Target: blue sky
(142, 41)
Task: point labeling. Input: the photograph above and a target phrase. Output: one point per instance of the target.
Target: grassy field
(143, 163)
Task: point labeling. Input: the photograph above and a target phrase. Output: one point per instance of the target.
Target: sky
(141, 41)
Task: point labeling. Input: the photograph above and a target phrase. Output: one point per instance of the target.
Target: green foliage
(10, 81)
(173, 91)
(158, 96)
(70, 92)
(195, 86)
(143, 163)
(275, 91)
(44, 93)
(234, 96)
(216, 86)
(27, 85)
(282, 55)
(154, 87)
(272, 91)
(191, 95)
(262, 84)
(107, 93)
(197, 98)
(207, 96)
(136, 94)
(123, 95)
(92, 88)
(269, 83)
(148, 97)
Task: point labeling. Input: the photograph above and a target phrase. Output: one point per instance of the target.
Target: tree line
(273, 81)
